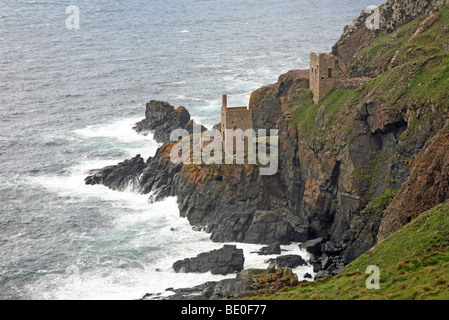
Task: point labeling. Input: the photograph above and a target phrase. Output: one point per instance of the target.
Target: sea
(75, 77)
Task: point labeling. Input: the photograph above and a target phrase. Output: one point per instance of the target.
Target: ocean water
(69, 99)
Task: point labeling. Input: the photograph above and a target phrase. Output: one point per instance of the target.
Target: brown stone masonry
(328, 72)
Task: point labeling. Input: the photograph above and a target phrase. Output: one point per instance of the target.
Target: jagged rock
(262, 227)
(190, 127)
(120, 176)
(267, 226)
(396, 13)
(325, 261)
(312, 246)
(336, 268)
(393, 14)
(288, 261)
(321, 274)
(269, 102)
(331, 248)
(246, 283)
(316, 264)
(223, 261)
(162, 119)
(326, 179)
(274, 248)
(271, 268)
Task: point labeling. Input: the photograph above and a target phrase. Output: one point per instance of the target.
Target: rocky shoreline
(340, 166)
(247, 283)
(250, 282)
(229, 260)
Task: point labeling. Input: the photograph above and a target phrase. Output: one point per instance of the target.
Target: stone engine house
(235, 118)
(328, 72)
(325, 69)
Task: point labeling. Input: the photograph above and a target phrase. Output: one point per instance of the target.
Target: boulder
(321, 274)
(223, 261)
(312, 246)
(288, 261)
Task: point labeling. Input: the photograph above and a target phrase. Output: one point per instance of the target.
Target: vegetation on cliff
(399, 169)
(413, 263)
(408, 66)
(353, 169)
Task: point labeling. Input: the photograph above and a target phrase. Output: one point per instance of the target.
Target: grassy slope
(414, 264)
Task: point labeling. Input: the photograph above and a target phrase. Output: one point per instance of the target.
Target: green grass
(315, 120)
(367, 173)
(413, 263)
(419, 76)
(378, 205)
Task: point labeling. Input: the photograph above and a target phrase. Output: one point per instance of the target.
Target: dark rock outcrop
(118, 177)
(312, 246)
(396, 13)
(162, 119)
(270, 102)
(223, 261)
(392, 15)
(274, 248)
(289, 261)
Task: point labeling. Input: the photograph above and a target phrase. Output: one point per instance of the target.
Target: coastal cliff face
(355, 150)
(427, 186)
(353, 169)
(232, 202)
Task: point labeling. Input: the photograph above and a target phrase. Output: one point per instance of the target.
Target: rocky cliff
(352, 169)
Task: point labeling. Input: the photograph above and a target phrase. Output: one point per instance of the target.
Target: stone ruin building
(328, 72)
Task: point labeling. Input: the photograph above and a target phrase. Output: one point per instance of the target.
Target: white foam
(121, 131)
(154, 230)
(158, 225)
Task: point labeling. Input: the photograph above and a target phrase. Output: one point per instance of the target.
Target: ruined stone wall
(314, 76)
(238, 118)
(324, 70)
(235, 118)
(328, 72)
